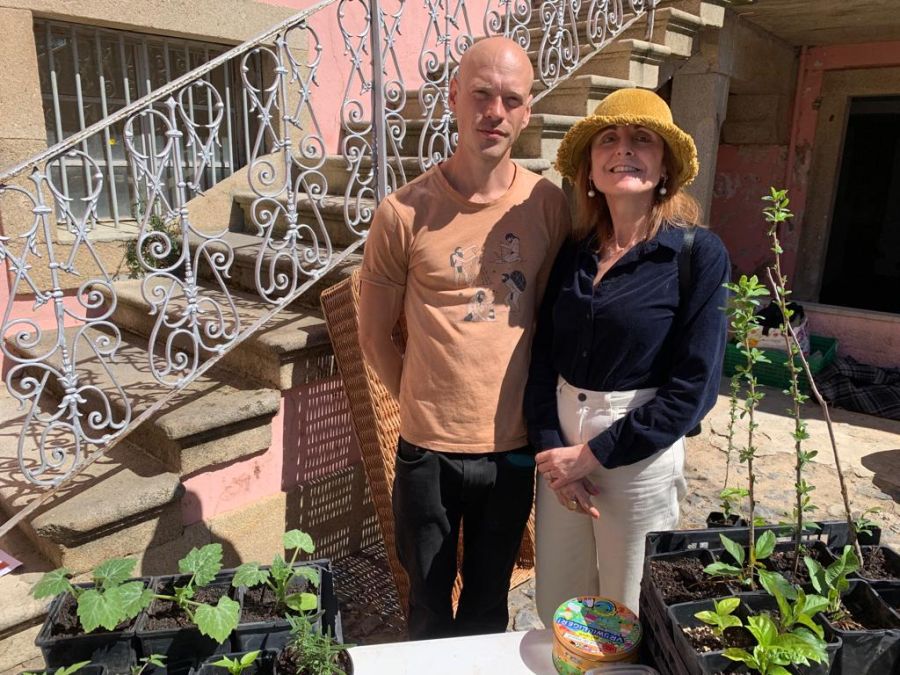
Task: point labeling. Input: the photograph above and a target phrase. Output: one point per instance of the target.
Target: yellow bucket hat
(631, 106)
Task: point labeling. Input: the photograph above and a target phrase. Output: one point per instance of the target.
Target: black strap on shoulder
(684, 266)
(684, 286)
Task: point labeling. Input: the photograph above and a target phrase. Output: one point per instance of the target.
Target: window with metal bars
(88, 73)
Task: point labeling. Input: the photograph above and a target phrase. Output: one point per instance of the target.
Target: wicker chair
(376, 421)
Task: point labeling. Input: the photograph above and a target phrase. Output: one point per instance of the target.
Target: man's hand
(564, 466)
(579, 494)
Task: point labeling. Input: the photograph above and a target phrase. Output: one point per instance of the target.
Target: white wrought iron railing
(286, 170)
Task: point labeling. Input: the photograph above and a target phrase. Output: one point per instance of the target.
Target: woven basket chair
(376, 421)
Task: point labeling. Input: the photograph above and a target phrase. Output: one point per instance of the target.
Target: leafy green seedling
(112, 600)
(832, 581)
(313, 652)
(723, 615)
(747, 566)
(731, 497)
(775, 650)
(280, 575)
(202, 565)
(67, 670)
(237, 666)
(863, 524)
(794, 606)
(157, 660)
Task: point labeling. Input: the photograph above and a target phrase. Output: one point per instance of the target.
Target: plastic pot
(891, 557)
(114, 649)
(183, 647)
(275, 634)
(868, 652)
(717, 519)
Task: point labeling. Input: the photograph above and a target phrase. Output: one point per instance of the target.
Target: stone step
(579, 95)
(330, 210)
(635, 60)
(243, 273)
(672, 27)
(710, 12)
(282, 354)
(215, 420)
(120, 505)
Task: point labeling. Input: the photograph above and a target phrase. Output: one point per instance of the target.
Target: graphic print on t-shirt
(465, 264)
(509, 250)
(481, 306)
(515, 283)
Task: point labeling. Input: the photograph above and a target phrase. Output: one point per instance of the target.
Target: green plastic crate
(776, 373)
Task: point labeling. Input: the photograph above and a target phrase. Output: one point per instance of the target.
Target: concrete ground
(870, 454)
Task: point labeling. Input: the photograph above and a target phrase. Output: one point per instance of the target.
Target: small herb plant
(237, 666)
(722, 616)
(730, 500)
(747, 565)
(312, 652)
(202, 565)
(745, 298)
(774, 649)
(280, 575)
(157, 660)
(67, 670)
(832, 581)
(112, 600)
(795, 608)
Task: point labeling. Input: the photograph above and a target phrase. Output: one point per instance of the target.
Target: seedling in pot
(157, 660)
(795, 608)
(774, 650)
(747, 565)
(202, 565)
(67, 670)
(310, 653)
(731, 498)
(112, 600)
(280, 575)
(832, 581)
(722, 616)
(237, 666)
(742, 306)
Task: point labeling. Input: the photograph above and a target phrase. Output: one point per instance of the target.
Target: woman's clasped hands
(566, 470)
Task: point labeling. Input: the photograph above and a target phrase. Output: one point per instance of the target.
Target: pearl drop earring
(591, 192)
(662, 188)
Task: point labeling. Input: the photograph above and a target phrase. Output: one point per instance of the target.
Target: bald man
(438, 250)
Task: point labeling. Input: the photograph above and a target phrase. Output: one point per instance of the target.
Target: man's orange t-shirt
(472, 276)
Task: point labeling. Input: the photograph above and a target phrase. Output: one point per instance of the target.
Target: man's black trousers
(491, 494)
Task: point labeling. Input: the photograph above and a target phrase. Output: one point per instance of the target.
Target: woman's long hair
(677, 208)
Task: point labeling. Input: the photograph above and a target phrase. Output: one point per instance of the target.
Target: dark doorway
(862, 266)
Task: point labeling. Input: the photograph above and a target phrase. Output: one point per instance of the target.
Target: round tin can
(589, 631)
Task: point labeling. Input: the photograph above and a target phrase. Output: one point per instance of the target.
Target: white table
(521, 653)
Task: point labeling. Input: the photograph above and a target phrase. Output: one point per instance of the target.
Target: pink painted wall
(744, 174)
(335, 64)
(869, 337)
(311, 438)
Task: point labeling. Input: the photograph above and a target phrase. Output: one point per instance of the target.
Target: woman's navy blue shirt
(632, 331)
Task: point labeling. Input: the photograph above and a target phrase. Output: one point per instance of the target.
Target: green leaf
(294, 539)
(218, 622)
(765, 545)
(227, 663)
(203, 563)
(158, 660)
(311, 574)
(775, 669)
(813, 604)
(302, 602)
(707, 616)
(113, 572)
(133, 598)
(280, 570)
(727, 605)
(735, 549)
(740, 655)
(52, 583)
(249, 658)
(249, 575)
(720, 569)
(96, 608)
(74, 668)
(775, 584)
(763, 629)
(816, 574)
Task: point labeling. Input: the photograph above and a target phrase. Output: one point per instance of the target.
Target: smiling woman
(623, 362)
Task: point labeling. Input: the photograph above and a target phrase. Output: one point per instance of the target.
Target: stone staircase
(150, 496)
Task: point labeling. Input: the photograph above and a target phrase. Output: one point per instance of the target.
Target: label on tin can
(597, 629)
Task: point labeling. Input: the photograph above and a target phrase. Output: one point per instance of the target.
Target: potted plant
(310, 653)
(82, 667)
(270, 593)
(239, 663)
(92, 622)
(191, 616)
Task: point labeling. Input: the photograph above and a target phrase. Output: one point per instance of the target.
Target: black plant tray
(716, 519)
(114, 649)
(184, 648)
(892, 558)
(264, 664)
(889, 591)
(868, 652)
(275, 634)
